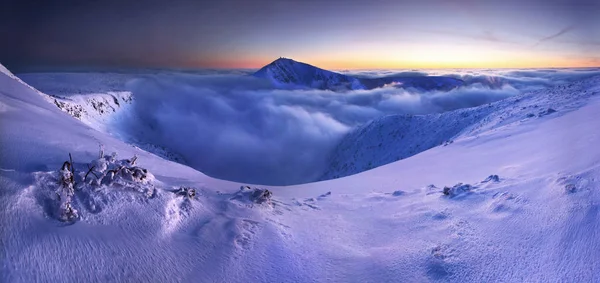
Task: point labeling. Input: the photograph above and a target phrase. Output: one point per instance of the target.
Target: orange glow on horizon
(349, 64)
(417, 56)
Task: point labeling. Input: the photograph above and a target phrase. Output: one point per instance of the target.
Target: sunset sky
(331, 34)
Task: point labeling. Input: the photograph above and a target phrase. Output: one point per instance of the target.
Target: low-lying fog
(237, 127)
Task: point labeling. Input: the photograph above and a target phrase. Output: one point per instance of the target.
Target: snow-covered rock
(457, 190)
(256, 195)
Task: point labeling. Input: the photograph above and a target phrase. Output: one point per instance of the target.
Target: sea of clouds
(233, 126)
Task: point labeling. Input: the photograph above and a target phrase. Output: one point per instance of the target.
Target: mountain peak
(285, 71)
(283, 59)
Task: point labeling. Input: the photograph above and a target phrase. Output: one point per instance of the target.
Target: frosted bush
(261, 195)
(101, 181)
(65, 193)
(186, 191)
(109, 171)
(255, 195)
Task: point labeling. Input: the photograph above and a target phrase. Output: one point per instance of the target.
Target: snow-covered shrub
(66, 192)
(261, 195)
(186, 192)
(90, 189)
(457, 189)
(570, 188)
(109, 171)
(574, 183)
(254, 195)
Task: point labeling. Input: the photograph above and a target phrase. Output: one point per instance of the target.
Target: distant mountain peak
(284, 59)
(286, 72)
(283, 62)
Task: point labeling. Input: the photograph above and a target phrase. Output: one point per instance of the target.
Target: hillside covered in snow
(505, 190)
(391, 138)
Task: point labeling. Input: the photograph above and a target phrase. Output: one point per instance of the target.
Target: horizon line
(30, 66)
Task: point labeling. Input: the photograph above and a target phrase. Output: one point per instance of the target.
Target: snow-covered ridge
(95, 98)
(6, 71)
(396, 137)
(93, 109)
(90, 98)
(100, 111)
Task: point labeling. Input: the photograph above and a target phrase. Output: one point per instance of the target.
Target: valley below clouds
(234, 126)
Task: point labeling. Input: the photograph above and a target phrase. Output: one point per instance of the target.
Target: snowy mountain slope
(93, 109)
(26, 110)
(396, 137)
(36, 139)
(535, 222)
(5, 71)
(91, 98)
(96, 99)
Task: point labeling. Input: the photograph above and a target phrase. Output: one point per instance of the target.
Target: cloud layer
(241, 128)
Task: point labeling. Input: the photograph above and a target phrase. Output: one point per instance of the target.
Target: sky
(391, 34)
